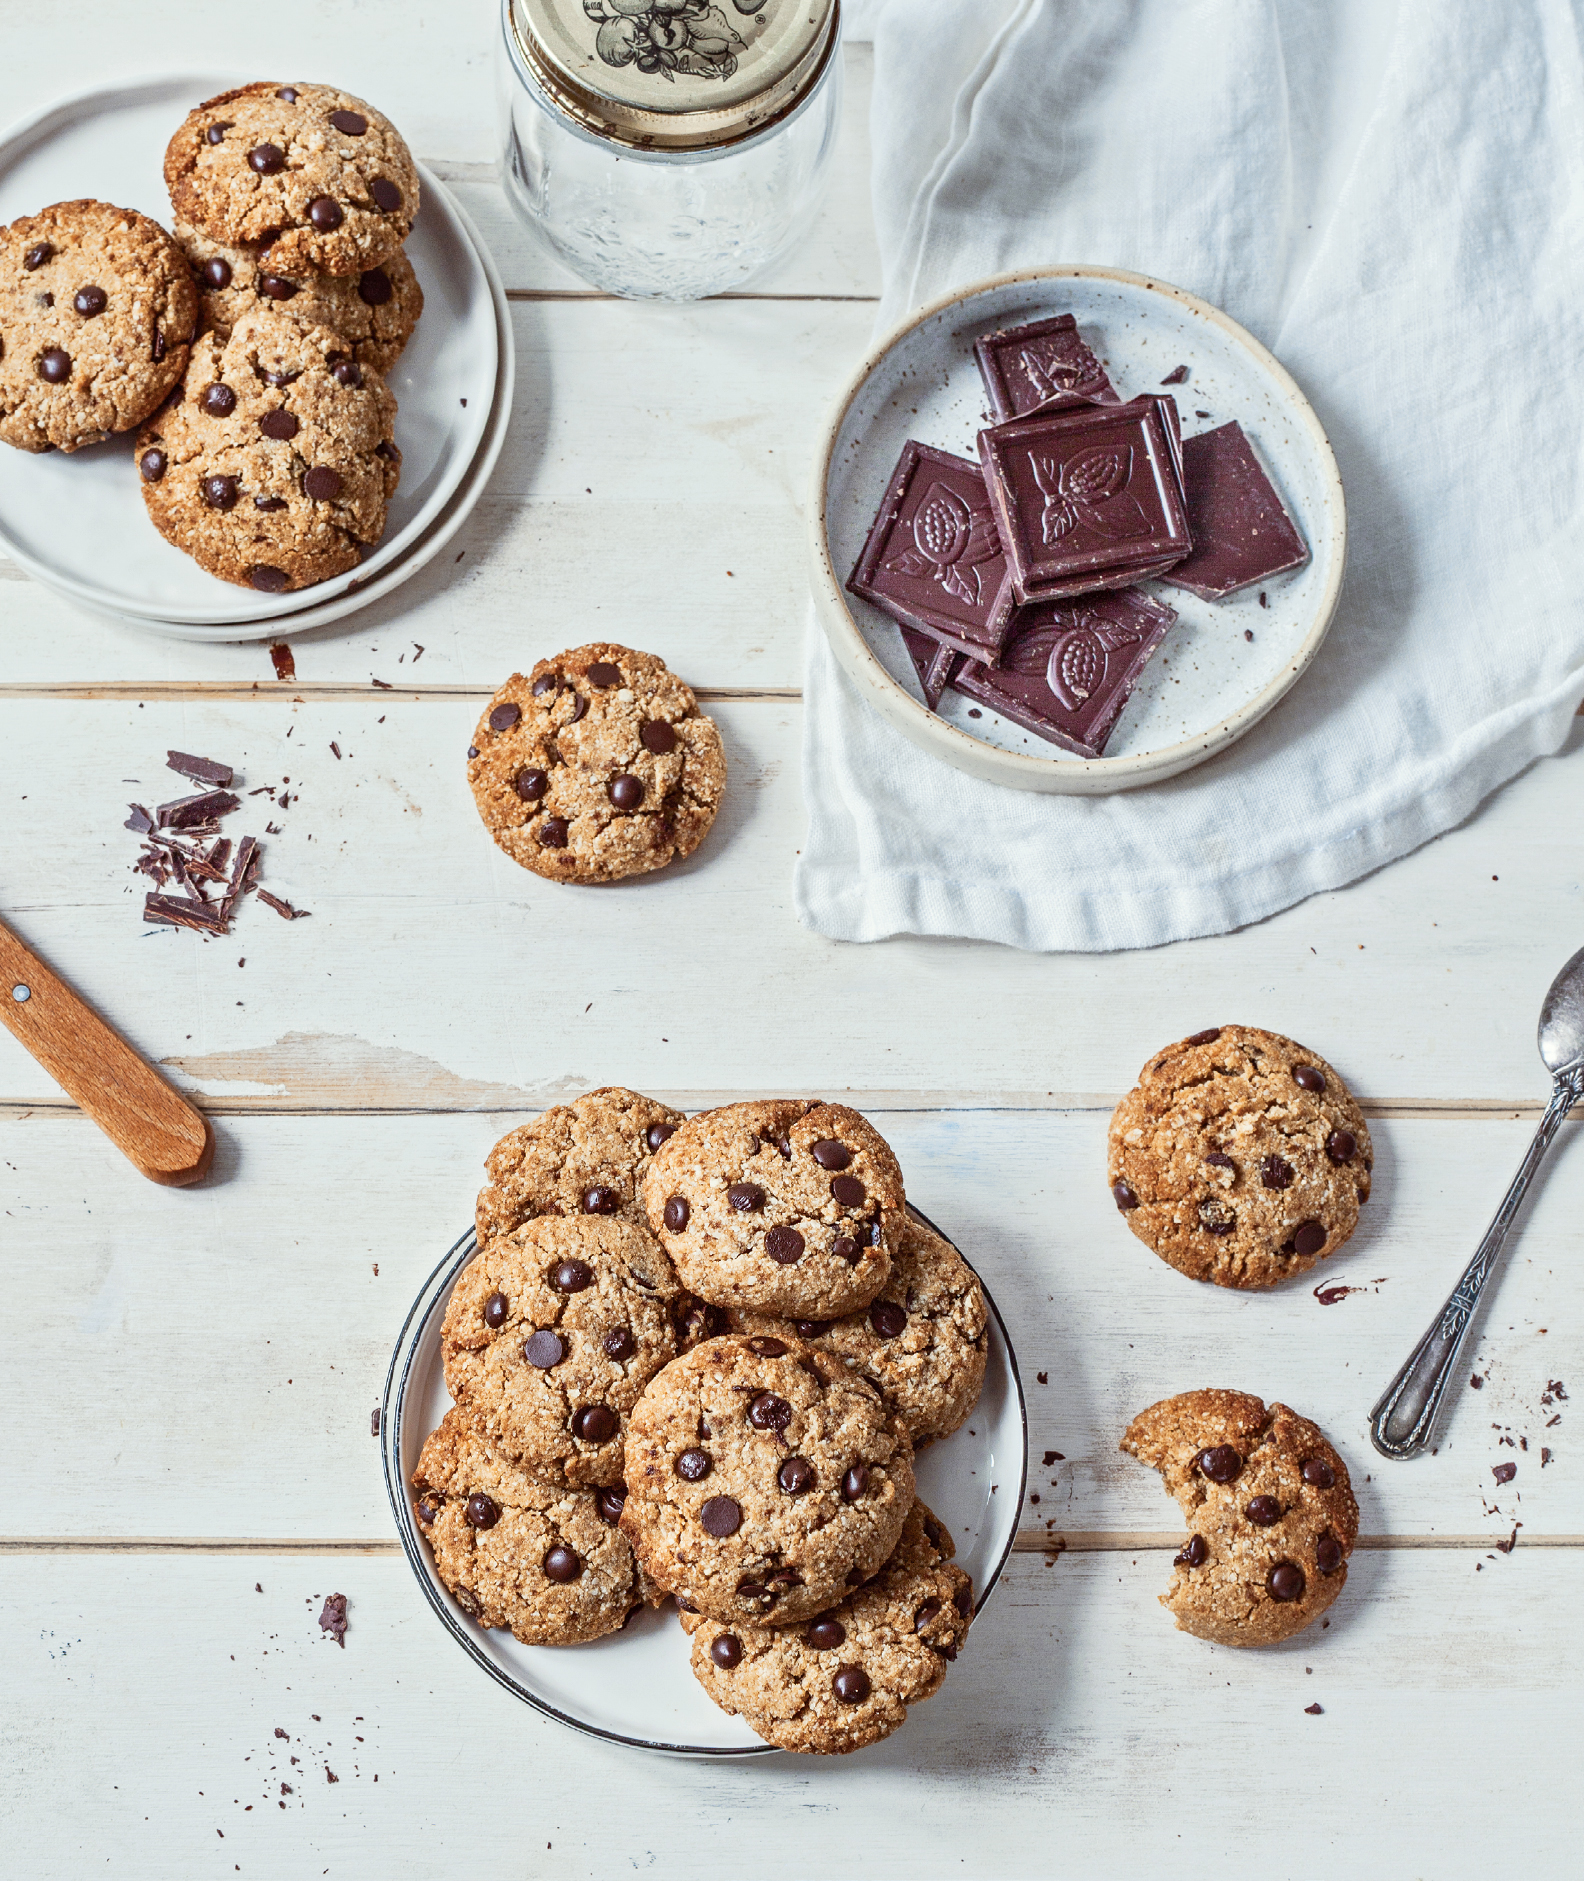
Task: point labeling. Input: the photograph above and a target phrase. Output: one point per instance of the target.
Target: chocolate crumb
(1504, 1472)
(200, 770)
(1177, 376)
(334, 1621)
(1053, 1456)
(1545, 1456)
(283, 908)
(331, 1775)
(280, 1733)
(285, 665)
(1248, 633)
(335, 747)
(374, 1421)
(1263, 601)
(1313, 1711)
(1476, 1383)
(1507, 1546)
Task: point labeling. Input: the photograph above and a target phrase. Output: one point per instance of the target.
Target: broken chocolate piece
(334, 1619)
(933, 662)
(933, 558)
(283, 908)
(1177, 376)
(1088, 498)
(1242, 531)
(285, 665)
(139, 820)
(200, 770)
(167, 911)
(1072, 666)
(195, 813)
(244, 871)
(1026, 367)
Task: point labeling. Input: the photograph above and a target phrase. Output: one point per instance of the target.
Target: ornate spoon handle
(1400, 1425)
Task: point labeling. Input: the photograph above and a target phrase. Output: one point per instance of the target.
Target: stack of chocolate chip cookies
(694, 1357)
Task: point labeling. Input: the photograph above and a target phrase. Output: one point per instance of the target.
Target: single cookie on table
(550, 1335)
(274, 466)
(374, 312)
(316, 175)
(847, 1678)
(763, 1480)
(583, 1158)
(1240, 1157)
(922, 1341)
(1269, 1506)
(785, 1205)
(97, 309)
(519, 1551)
(596, 765)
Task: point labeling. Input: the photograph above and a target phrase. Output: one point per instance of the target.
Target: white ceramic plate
(1208, 684)
(636, 1686)
(78, 522)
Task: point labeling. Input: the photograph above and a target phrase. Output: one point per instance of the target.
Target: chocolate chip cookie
(1270, 1510)
(1240, 1157)
(847, 1678)
(96, 312)
(550, 1335)
(922, 1341)
(595, 766)
(583, 1158)
(763, 1480)
(274, 466)
(517, 1550)
(787, 1206)
(375, 312)
(317, 177)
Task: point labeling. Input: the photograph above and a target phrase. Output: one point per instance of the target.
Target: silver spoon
(1400, 1425)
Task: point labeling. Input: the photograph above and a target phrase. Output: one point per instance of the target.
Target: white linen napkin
(1391, 197)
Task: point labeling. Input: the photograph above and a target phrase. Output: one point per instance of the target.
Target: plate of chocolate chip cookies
(704, 1439)
(258, 386)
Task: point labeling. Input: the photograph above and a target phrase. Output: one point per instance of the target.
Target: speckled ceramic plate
(1210, 682)
(636, 1687)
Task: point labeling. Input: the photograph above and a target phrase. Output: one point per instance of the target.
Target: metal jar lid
(675, 74)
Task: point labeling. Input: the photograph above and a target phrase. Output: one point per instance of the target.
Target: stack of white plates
(78, 523)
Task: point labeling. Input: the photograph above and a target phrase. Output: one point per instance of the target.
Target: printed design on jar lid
(670, 38)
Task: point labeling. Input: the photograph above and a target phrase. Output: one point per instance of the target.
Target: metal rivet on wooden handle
(151, 1123)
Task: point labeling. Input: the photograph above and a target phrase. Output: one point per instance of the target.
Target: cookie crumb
(334, 1622)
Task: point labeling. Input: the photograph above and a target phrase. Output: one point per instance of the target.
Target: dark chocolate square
(1088, 498)
(1071, 666)
(1027, 367)
(1242, 531)
(933, 662)
(934, 559)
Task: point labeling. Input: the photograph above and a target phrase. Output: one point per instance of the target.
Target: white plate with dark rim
(636, 1687)
(78, 522)
(1208, 684)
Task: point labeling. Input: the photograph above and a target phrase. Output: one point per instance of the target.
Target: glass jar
(667, 149)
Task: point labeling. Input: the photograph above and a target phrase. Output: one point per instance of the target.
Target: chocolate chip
(603, 673)
(326, 214)
(619, 1344)
(531, 784)
(426, 1510)
(848, 1191)
(544, 1349)
(495, 1310)
(279, 424)
(561, 1564)
(220, 492)
(887, 1318)
(1308, 1238)
(151, 466)
(503, 716)
(746, 1197)
(1276, 1172)
(1216, 1216)
(595, 1423)
(546, 682)
(1263, 1511)
(768, 1412)
(1286, 1581)
(726, 1651)
(553, 833)
(374, 287)
(601, 1200)
(720, 1517)
(267, 159)
(845, 1248)
(572, 1277)
(1310, 1079)
(218, 400)
(216, 272)
(796, 1476)
(90, 301)
(830, 1154)
(962, 1600)
(1340, 1145)
(693, 1465)
(784, 1245)
(610, 1502)
(657, 1133)
(1328, 1554)
(934, 1534)
(1221, 1463)
(579, 707)
(854, 1483)
(768, 1348)
(157, 349)
(625, 792)
(386, 195)
(36, 256)
(481, 1511)
(825, 1635)
(322, 484)
(277, 287)
(1194, 1553)
(657, 736)
(1218, 1161)
(1124, 1196)
(289, 93)
(676, 1213)
(472, 749)
(54, 365)
(851, 1685)
(925, 1614)
(1318, 1473)
(812, 1328)
(1205, 1038)
(347, 372)
(269, 503)
(351, 123)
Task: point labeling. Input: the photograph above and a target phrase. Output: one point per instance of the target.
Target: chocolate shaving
(166, 911)
(200, 770)
(198, 814)
(283, 908)
(285, 665)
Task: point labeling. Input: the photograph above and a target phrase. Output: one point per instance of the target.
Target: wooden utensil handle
(152, 1124)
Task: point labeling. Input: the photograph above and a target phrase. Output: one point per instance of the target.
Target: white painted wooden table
(188, 1377)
